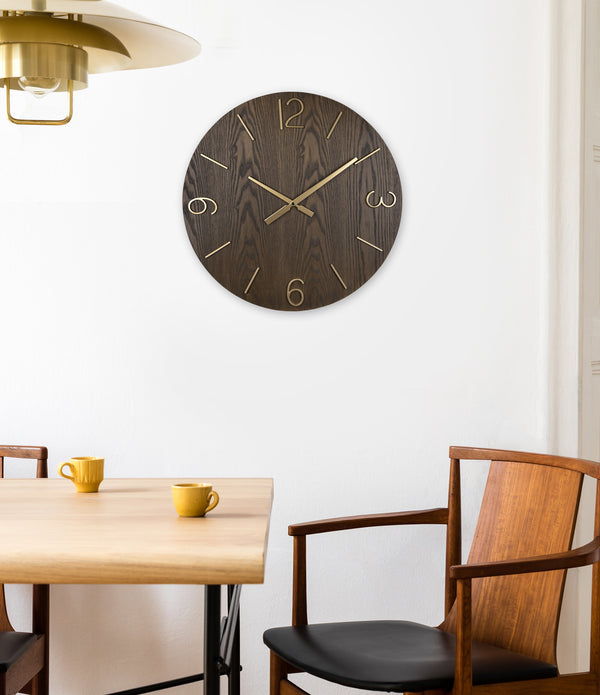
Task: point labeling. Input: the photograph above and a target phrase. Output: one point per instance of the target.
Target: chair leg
(40, 682)
(279, 683)
(41, 626)
(278, 673)
(288, 688)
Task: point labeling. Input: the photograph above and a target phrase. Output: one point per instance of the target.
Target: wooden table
(129, 533)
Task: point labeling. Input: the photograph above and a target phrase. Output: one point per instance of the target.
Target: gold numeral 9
(204, 203)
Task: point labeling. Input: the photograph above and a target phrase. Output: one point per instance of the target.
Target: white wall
(117, 342)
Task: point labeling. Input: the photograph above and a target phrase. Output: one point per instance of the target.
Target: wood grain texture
(291, 160)
(129, 533)
(527, 510)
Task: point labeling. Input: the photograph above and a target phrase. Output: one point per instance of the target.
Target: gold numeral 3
(385, 205)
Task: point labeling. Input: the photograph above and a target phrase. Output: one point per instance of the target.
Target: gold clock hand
(279, 195)
(294, 203)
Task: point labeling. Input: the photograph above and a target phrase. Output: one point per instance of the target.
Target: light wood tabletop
(130, 533)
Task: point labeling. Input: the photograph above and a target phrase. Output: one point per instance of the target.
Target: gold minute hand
(279, 195)
(294, 203)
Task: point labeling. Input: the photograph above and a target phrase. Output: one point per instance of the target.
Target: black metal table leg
(234, 673)
(221, 647)
(212, 638)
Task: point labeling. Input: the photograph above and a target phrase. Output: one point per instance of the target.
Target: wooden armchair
(24, 655)
(502, 607)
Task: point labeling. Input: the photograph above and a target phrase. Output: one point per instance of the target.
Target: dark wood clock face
(292, 201)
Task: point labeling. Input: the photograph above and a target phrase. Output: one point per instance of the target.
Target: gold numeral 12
(288, 123)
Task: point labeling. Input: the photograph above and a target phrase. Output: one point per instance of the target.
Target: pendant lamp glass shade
(52, 45)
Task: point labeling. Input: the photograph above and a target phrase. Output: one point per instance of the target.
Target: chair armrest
(300, 531)
(579, 557)
(425, 516)
(464, 574)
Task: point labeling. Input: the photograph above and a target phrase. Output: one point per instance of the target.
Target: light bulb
(39, 86)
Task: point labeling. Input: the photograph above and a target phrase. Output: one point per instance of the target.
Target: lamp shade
(60, 42)
(149, 44)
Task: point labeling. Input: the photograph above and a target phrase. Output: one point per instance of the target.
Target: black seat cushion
(12, 647)
(394, 656)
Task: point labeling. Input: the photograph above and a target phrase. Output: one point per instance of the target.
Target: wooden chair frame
(31, 673)
(459, 579)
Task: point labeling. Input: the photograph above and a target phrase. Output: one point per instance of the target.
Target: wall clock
(292, 201)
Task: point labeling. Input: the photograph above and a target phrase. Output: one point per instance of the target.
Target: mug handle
(214, 500)
(64, 475)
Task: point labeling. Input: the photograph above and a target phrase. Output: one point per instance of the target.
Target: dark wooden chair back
(41, 595)
(503, 605)
(528, 509)
(39, 453)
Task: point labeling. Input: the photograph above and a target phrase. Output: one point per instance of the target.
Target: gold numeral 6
(295, 295)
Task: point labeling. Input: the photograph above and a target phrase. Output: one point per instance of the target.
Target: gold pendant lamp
(52, 45)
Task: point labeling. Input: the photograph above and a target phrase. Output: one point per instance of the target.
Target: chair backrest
(40, 455)
(529, 508)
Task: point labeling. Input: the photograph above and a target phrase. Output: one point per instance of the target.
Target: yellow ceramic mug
(87, 472)
(194, 499)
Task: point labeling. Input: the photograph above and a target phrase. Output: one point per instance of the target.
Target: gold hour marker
(338, 276)
(280, 115)
(368, 243)
(214, 161)
(368, 155)
(246, 128)
(251, 280)
(334, 125)
(208, 255)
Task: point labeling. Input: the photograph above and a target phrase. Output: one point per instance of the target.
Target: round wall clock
(292, 201)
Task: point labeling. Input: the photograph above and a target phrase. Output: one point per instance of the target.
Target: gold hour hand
(279, 195)
(296, 201)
